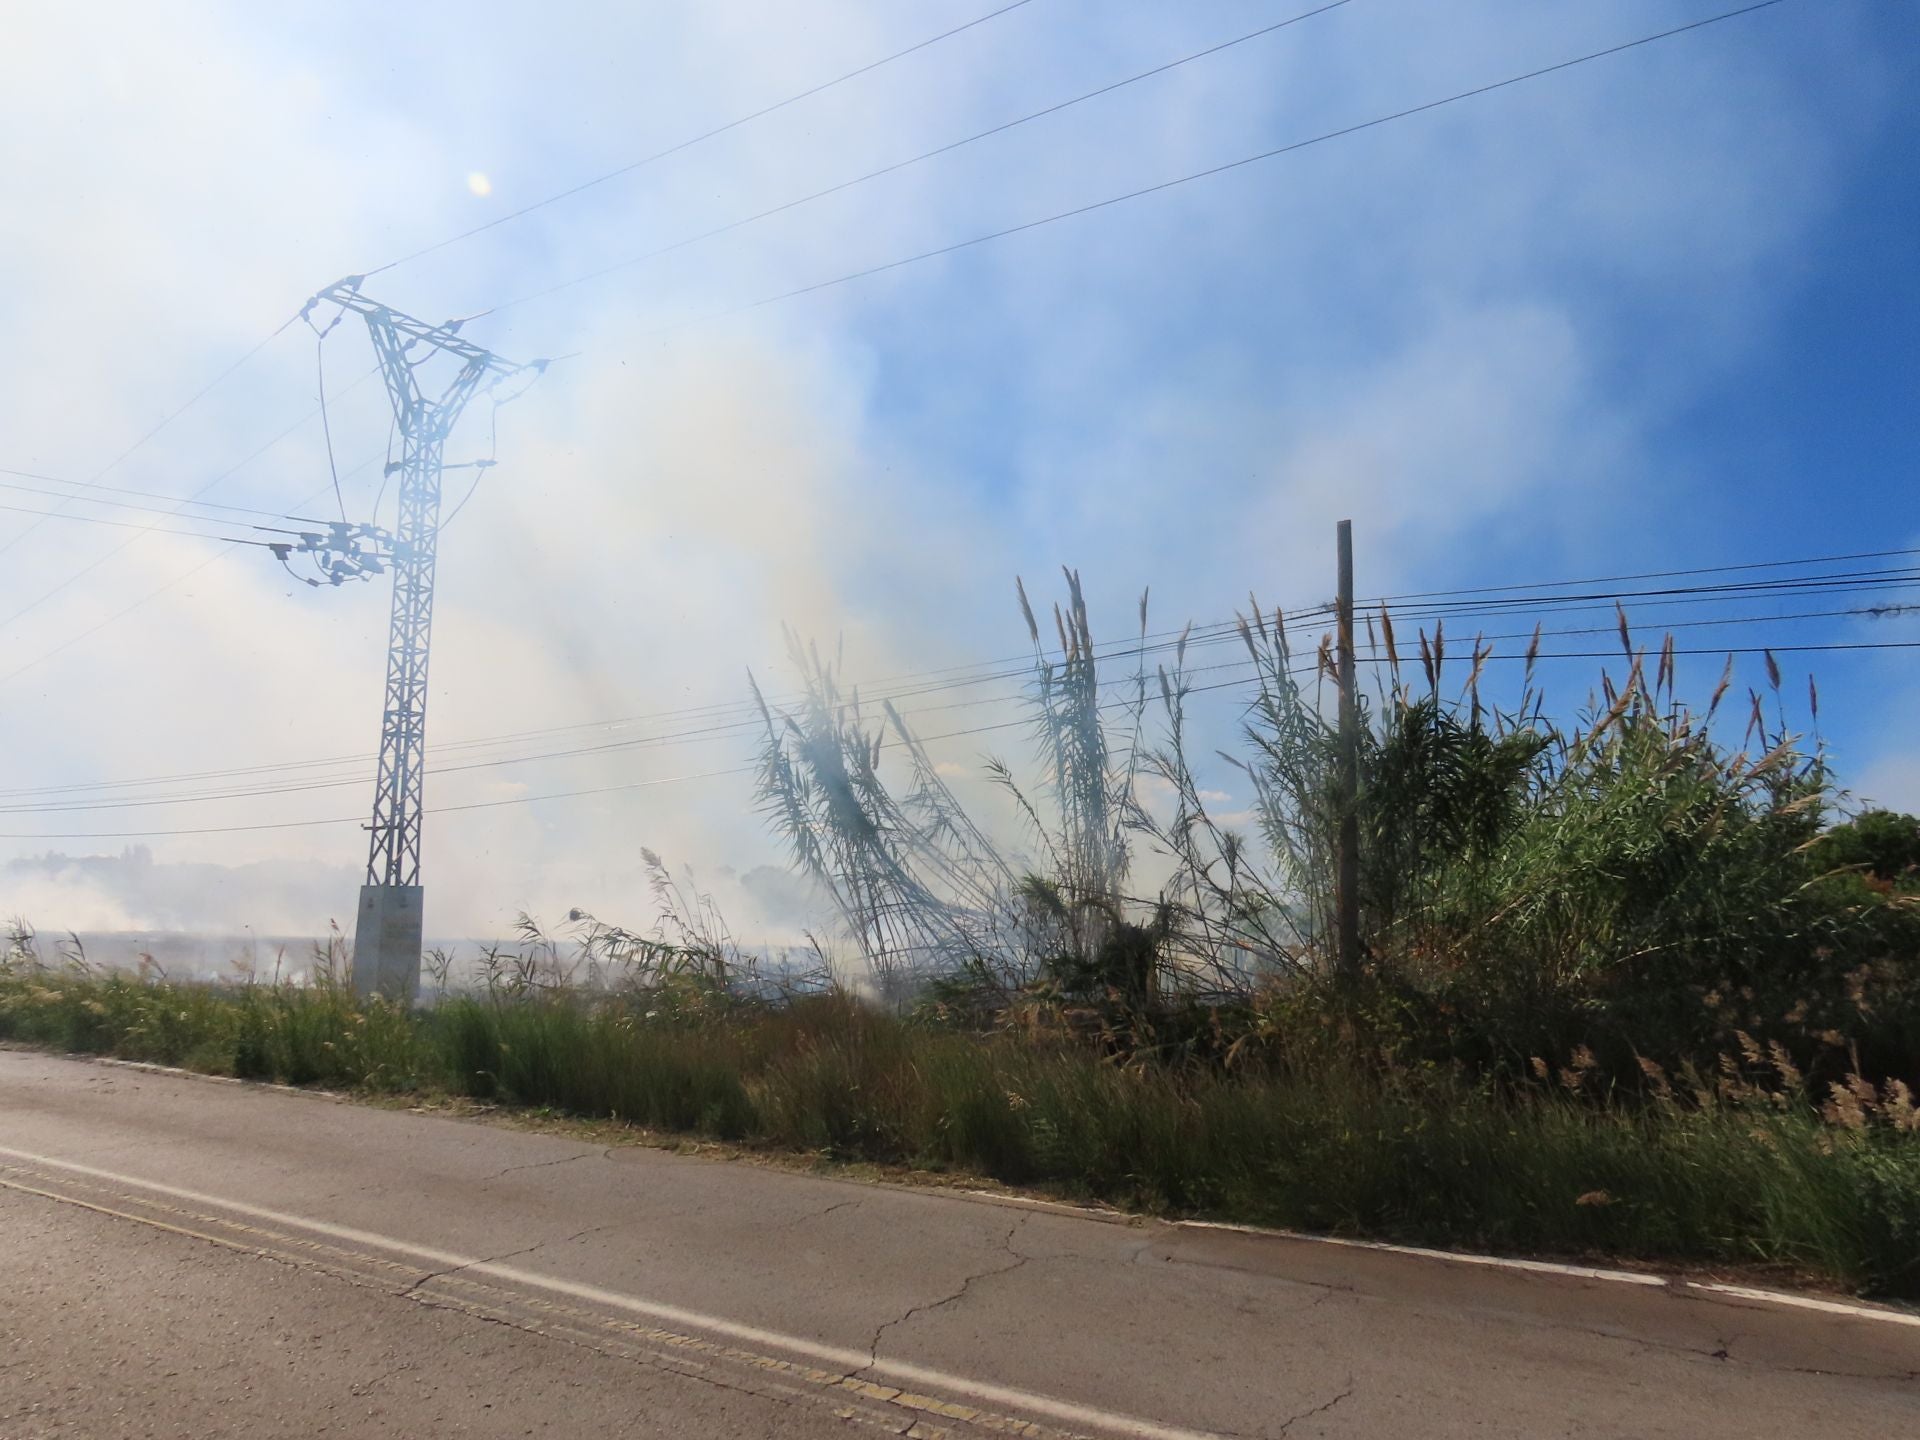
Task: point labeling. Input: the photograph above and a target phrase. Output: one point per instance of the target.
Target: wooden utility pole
(1346, 884)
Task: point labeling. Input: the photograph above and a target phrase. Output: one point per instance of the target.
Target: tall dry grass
(1726, 1169)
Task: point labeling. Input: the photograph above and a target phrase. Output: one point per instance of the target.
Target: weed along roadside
(1732, 1176)
(1625, 988)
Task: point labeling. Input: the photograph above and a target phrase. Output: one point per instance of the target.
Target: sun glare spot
(479, 184)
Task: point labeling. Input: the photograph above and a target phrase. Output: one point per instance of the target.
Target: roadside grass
(1720, 1171)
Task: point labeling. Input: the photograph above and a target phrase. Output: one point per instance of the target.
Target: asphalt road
(186, 1258)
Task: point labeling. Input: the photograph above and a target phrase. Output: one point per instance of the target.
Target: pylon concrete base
(386, 942)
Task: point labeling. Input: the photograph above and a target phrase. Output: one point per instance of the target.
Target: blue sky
(1657, 311)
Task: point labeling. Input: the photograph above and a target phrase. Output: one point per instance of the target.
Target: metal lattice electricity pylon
(388, 936)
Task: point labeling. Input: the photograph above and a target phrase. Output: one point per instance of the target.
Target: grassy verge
(1412, 1155)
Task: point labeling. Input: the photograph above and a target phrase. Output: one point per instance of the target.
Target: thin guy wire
(326, 425)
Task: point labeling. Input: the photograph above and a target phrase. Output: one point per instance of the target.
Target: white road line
(1806, 1302)
(1458, 1257)
(1579, 1272)
(834, 1357)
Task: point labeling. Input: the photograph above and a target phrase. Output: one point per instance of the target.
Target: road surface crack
(408, 1293)
(366, 1388)
(543, 1165)
(799, 1220)
(1322, 1409)
(1015, 1262)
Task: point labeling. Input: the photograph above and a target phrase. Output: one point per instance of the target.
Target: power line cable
(1650, 575)
(1078, 210)
(145, 527)
(1016, 229)
(1844, 580)
(520, 799)
(1768, 650)
(596, 790)
(142, 524)
(701, 138)
(152, 594)
(1097, 205)
(728, 729)
(172, 501)
(167, 419)
(931, 681)
(719, 724)
(902, 688)
(1400, 617)
(1836, 645)
(201, 393)
(88, 569)
(1667, 627)
(976, 240)
(911, 161)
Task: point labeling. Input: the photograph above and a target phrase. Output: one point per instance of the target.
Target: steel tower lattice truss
(388, 937)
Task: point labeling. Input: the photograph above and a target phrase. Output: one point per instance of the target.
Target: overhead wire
(718, 716)
(88, 569)
(517, 799)
(153, 594)
(720, 729)
(1348, 130)
(143, 526)
(1078, 210)
(932, 682)
(1844, 581)
(631, 166)
(1685, 603)
(166, 513)
(597, 790)
(1209, 172)
(732, 729)
(198, 395)
(1049, 110)
(1837, 645)
(107, 491)
(278, 330)
(1655, 574)
(1274, 152)
(912, 160)
(166, 420)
